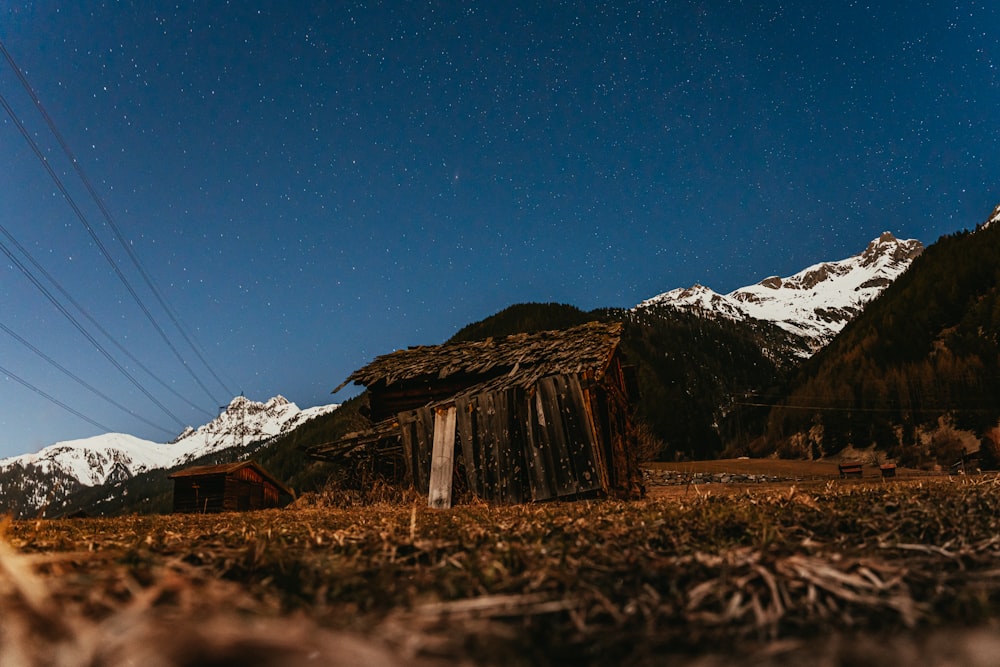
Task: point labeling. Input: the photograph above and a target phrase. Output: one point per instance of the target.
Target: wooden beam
(442, 458)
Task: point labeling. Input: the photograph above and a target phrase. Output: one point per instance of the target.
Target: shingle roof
(525, 357)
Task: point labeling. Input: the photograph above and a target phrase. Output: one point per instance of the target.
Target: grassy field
(906, 572)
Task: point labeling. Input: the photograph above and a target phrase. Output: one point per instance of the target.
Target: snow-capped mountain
(31, 481)
(993, 217)
(814, 304)
(242, 422)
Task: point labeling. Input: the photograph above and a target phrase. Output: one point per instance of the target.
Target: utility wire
(117, 232)
(97, 325)
(54, 400)
(85, 333)
(100, 244)
(97, 241)
(78, 379)
(55, 302)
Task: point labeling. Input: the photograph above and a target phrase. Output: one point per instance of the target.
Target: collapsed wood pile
(522, 418)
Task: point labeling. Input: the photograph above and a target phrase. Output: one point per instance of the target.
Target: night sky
(308, 185)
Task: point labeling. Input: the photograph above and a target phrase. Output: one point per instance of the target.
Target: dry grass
(760, 577)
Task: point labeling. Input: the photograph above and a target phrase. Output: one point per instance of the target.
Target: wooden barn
(527, 417)
(229, 487)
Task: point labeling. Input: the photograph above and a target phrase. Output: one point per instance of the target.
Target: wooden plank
(622, 469)
(500, 443)
(488, 448)
(551, 423)
(513, 439)
(595, 403)
(538, 453)
(465, 426)
(581, 441)
(408, 437)
(423, 429)
(442, 458)
(499, 446)
(483, 450)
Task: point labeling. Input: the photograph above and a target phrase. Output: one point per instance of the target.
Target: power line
(97, 241)
(62, 188)
(115, 229)
(38, 267)
(78, 379)
(54, 400)
(69, 316)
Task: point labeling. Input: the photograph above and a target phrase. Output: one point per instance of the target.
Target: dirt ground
(820, 571)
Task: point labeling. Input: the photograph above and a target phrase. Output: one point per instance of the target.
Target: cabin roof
(227, 468)
(524, 357)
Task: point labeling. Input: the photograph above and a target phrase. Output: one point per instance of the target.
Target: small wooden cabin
(850, 469)
(527, 417)
(229, 487)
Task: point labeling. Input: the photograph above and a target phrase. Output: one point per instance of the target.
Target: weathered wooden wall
(514, 445)
(199, 494)
(237, 491)
(565, 435)
(492, 437)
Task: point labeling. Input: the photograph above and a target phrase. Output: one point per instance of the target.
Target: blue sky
(308, 185)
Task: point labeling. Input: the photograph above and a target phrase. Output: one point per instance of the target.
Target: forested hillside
(924, 355)
(524, 318)
(693, 374)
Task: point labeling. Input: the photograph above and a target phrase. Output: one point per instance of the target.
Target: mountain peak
(238, 403)
(815, 303)
(697, 298)
(890, 249)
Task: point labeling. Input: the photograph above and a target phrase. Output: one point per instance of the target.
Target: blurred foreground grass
(758, 576)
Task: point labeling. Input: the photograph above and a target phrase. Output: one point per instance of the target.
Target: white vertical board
(442, 458)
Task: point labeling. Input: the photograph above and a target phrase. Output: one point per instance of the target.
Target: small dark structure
(528, 417)
(888, 470)
(229, 487)
(851, 469)
(967, 465)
